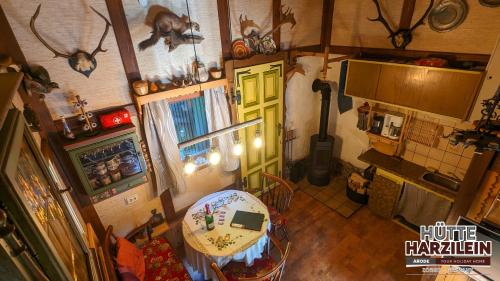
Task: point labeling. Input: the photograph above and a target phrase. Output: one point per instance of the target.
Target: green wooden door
(261, 95)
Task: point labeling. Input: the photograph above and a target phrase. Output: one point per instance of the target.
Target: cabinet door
(384, 194)
(362, 79)
(400, 85)
(449, 92)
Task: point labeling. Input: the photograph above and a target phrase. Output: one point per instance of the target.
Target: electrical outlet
(131, 199)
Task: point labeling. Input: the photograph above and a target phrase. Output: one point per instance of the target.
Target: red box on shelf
(115, 119)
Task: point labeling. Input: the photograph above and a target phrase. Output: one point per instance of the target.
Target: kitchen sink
(441, 180)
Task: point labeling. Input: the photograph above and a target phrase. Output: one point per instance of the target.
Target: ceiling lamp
(189, 167)
(237, 148)
(257, 141)
(214, 156)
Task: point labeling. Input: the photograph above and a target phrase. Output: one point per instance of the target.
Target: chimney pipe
(326, 91)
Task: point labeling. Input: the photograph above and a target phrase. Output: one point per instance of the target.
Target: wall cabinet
(448, 92)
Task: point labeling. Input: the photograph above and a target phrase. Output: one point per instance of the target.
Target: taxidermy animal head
(403, 36)
(170, 26)
(80, 61)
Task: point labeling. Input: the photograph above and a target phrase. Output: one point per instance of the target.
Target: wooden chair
(160, 258)
(264, 269)
(277, 194)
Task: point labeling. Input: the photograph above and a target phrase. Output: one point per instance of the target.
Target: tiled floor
(332, 195)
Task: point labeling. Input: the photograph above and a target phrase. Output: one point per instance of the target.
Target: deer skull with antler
(80, 61)
(403, 36)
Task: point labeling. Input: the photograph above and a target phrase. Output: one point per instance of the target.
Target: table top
(224, 240)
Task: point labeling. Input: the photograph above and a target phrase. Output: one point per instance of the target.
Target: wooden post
(326, 23)
(276, 22)
(407, 14)
(224, 27)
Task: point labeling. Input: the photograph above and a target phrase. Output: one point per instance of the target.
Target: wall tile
(419, 159)
(411, 145)
(408, 155)
(447, 130)
(450, 158)
(436, 154)
(442, 143)
(432, 164)
(469, 152)
(455, 149)
(422, 149)
(464, 163)
(447, 169)
(460, 173)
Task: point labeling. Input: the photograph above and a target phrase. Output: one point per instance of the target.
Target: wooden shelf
(103, 135)
(9, 83)
(385, 139)
(174, 92)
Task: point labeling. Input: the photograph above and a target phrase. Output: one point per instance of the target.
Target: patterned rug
(332, 195)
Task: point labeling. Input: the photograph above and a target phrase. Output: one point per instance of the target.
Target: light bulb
(189, 168)
(214, 157)
(257, 142)
(237, 149)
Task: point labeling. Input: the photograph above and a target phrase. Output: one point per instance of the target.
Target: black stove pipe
(326, 92)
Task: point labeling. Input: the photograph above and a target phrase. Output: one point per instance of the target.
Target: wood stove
(321, 148)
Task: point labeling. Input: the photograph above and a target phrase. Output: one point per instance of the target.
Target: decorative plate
(240, 49)
(490, 3)
(267, 46)
(447, 15)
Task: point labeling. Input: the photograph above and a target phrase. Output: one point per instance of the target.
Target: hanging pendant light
(190, 166)
(257, 141)
(237, 148)
(214, 156)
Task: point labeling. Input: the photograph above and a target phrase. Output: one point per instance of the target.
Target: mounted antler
(108, 24)
(246, 23)
(381, 19)
(80, 61)
(33, 29)
(421, 20)
(403, 36)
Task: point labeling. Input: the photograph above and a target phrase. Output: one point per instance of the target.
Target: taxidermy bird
(37, 79)
(170, 26)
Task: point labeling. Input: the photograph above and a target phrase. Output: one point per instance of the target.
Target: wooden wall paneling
(470, 185)
(276, 22)
(326, 23)
(225, 28)
(123, 39)
(407, 14)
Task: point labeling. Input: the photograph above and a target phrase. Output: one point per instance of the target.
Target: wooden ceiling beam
(224, 27)
(407, 14)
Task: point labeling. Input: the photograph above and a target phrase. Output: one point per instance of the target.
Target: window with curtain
(191, 121)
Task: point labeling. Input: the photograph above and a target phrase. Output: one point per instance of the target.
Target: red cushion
(276, 217)
(161, 262)
(260, 267)
(130, 259)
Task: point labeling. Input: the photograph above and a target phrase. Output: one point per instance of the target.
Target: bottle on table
(209, 218)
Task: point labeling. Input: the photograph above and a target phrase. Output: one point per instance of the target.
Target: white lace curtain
(162, 140)
(217, 111)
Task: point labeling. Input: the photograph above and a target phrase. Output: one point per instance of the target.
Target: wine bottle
(209, 218)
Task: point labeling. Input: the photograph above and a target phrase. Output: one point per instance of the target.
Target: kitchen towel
(344, 102)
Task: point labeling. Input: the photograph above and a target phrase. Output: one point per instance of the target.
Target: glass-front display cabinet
(108, 163)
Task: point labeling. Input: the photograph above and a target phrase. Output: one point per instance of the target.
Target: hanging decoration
(486, 135)
(254, 42)
(402, 36)
(80, 61)
(87, 118)
(172, 28)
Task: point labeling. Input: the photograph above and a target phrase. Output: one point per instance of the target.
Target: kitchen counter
(407, 170)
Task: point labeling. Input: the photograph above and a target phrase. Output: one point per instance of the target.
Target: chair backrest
(275, 192)
(274, 274)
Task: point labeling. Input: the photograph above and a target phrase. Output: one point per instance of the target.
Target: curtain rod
(220, 132)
